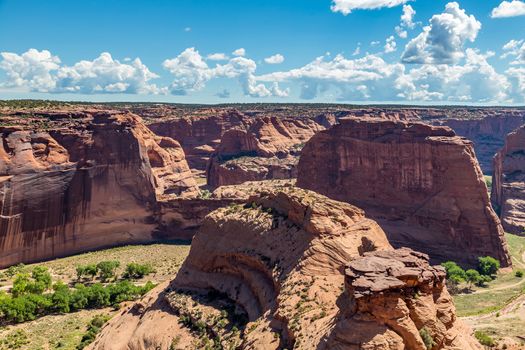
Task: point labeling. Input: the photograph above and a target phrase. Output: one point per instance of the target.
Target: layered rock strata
(267, 149)
(422, 184)
(67, 190)
(508, 182)
(292, 269)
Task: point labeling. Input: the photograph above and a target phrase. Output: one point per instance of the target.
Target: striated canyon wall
(422, 184)
(97, 184)
(508, 182)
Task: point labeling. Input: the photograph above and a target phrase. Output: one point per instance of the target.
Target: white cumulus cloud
(516, 49)
(40, 71)
(509, 9)
(191, 73)
(407, 18)
(239, 52)
(347, 6)
(275, 59)
(442, 41)
(390, 44)
(219, 56)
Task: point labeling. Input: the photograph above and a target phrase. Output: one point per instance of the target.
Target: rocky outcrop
(508, 182)
(84, 185)
(267, 149)
(293, 269)
(199, 135)
(488, 133)
(421, 183)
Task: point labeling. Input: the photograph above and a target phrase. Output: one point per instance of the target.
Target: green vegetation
(484, 338)
(136, 271)
(427, 338)
(31, 296)
(93, 328)
(15, 340)
(518, 273)
(488, 266)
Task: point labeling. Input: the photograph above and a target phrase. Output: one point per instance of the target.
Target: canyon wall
(293, 269)
(421, 183)
(266, 149)
(508, 182)
(84, 184)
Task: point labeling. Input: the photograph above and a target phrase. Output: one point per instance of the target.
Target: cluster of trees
(486, 272)
(107, 270)
(94, 327)
(34, 295)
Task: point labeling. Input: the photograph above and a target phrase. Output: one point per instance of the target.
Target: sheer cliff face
(70, 190)
(422, 184)
(294, 270)
(266, 149)
(508, 182)
(488, 134)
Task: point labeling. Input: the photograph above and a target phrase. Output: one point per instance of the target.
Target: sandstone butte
(84, 186)
(421, 183)
(268, 148)
(293, 269)
(508, 182)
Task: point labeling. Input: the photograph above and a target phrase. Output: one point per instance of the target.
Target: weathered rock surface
(295, 270)
(421, 183)
(487, 133)
(267, 149)
(93, 184)
(508, 182)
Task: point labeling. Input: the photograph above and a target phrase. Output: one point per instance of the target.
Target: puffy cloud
(516, 49)
(390, 44)
(516, 77)
(239, 52)
(191, 73)
(357, 50)
(40, 71)
(443, 39)
(217, 57)
(509, 9)
(403, 34)
(371, 78)
(347, 6)
(275, 59)
(407, 18)
(33, 69)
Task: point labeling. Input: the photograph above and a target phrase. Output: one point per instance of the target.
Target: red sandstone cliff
(293, 270)
(91, 184)
(508, 182)
(421, 183)
(266, 149)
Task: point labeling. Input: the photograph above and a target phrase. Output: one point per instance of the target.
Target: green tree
(107, 269)
(136, 271)
(91, 270)
(488, 266)
(61, 298)
(472, 277)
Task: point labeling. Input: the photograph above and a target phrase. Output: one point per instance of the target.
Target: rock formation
(487, 132)
(421, 183)
(293, 270)
(84, 184)
(508, 182)
(266, 149)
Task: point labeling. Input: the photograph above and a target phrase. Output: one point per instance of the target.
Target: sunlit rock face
(84, 185)
(421, 183)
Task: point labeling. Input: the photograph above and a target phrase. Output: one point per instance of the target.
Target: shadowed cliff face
(305, 272)
(84, 188)
(421, 183)
(508, 182)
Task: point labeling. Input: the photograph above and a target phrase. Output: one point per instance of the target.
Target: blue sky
(444, 52)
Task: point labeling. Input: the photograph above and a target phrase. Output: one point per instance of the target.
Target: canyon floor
(498, 310)
(65, 331)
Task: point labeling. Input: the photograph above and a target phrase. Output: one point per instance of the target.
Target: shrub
(427, 338)
(484, 338)
(136, 271)
(483, 280)
(93, 328)
(107, 269)
(455, 274)
(488, 266)
(519, 273)
(472, 277)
